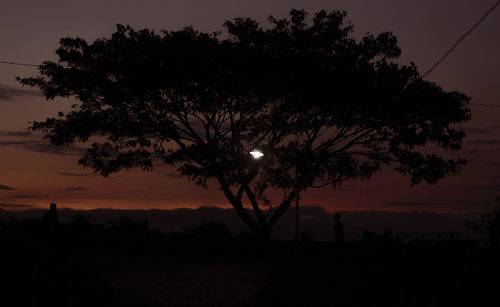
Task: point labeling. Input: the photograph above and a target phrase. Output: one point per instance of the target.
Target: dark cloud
(486, 142)
(477, 131)
(4, 187)
(494, 163)
(8, 93)
(15, 206)
(69, 174)
(14, 143)
(345, 190)
(15, 133)
(476, 151)
(410, 203)
(488, 176)
(25, 196)
(173, 175)
(37, 146)
(79, 188)
(485, 188)
(52, 149)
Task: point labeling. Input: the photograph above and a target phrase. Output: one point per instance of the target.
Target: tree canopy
(322, 105)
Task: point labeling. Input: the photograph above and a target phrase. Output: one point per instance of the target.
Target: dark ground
(125, 264)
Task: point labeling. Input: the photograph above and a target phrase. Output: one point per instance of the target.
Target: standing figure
(338, 229)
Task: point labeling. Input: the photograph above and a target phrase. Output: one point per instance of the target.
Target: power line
(462, 38)
(17, 63)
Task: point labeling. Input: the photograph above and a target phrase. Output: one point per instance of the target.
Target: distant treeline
(137, 235)
(315, 220)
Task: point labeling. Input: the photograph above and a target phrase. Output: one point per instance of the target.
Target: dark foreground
(79, 265)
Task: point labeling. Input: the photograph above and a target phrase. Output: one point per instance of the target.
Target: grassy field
(322, 276)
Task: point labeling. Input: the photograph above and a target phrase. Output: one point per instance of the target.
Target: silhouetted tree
(489, 225)
(323, 106)
(80, 223)
(212, 230)
(493, 224)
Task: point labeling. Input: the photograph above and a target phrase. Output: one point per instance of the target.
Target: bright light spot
(256, 154)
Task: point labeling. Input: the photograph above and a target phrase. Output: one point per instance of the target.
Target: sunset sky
(34, 174)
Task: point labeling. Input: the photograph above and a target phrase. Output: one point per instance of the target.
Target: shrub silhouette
(212, 231)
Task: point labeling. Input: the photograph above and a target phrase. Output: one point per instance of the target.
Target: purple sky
(33, 173)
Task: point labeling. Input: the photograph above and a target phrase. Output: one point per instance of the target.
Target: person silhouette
(494, 230)
(338, 229)
(50, 216)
